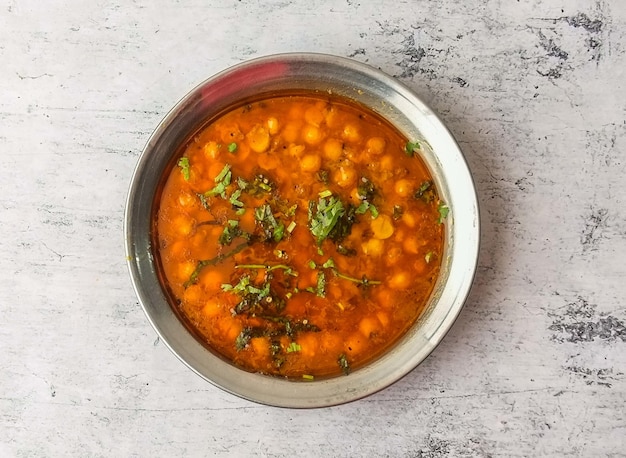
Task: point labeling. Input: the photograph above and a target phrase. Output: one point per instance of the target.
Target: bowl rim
(327, 392)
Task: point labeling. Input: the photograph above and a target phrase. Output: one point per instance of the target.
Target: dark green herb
(330, 218)
(346, 250)
(243, 339)
(343, 363)
(322, 175)
(365, 190)
(398, 211)
(231, 231)
(426, 192)
(363, 281)
(183, 163)
(287, 269)
(203, 201)
(272, 228)
(260, 185)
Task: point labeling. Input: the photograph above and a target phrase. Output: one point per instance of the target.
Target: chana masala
(300, 236)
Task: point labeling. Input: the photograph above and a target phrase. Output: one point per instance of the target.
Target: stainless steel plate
(379, 92)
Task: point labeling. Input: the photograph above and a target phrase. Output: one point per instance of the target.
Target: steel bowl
(323, 74)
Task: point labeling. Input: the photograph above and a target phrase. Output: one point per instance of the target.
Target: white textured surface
(534, 91)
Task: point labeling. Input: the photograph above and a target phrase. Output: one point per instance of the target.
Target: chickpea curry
(300, 236)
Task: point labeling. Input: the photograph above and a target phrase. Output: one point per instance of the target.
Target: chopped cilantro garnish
(222, 181)
(411, 148)
(273, 229)
(365, 206)
(324, 217)
(230, 232)
(234, 199)
(444, 210)
(343, 363)
(426, 192)
(320, 289)
(325, 193)
(183, 163)
(232, 147)
(293, 347)
(224, 173)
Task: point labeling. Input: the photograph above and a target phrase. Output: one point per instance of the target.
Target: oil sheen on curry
(300, 236)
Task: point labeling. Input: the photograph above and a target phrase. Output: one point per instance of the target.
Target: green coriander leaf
(222, 176)
(411, 148)
(444, 210)
(183, 163)
(232, 147)
(320, 289)
(234, 199)
(325, 193)
(293, 347)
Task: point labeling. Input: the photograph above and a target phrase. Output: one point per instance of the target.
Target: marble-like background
(534, 91)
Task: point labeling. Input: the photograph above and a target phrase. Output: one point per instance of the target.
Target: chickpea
(382, 227)
(368, 326)
(382, 317)
(212, 279)
(211, 308)
(212, 150)
(268, 161)
(272, 125)
(400, 280)
(312, 134)
(185, 269)
(186, 199)
(403, 187)
(351, 133)
(345, 176)
(258, 139)
(314, 115)
(184, 225)
(310, 163)
(291, 132)
(373, 247)
(296, 150)
(411, 244)
(375, 145)
(333, 149)
(260, 347)
(386, 163)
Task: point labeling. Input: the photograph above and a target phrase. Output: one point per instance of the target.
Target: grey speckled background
(533, 90)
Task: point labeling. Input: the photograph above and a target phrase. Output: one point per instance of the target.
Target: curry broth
(300, 236)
